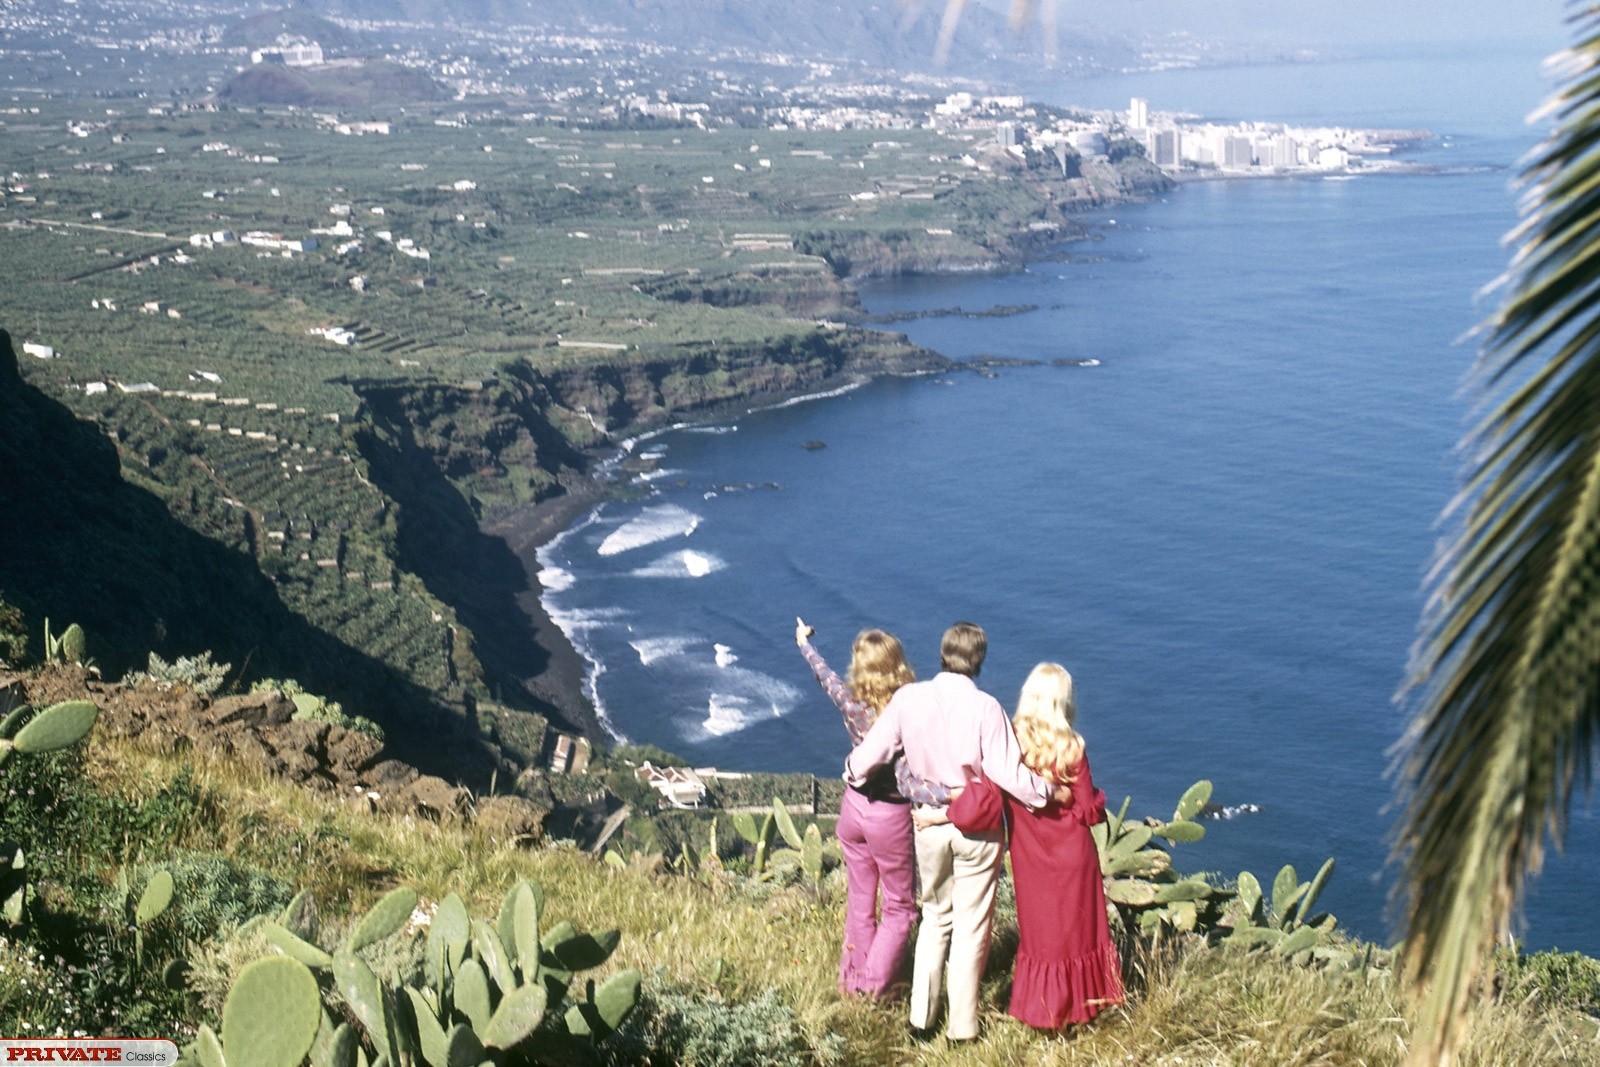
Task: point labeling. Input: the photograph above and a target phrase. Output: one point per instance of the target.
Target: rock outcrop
(258, 730)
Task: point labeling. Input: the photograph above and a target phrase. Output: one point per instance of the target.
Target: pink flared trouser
(879, 859)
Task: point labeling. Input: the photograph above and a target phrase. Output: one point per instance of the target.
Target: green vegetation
(725, 968)
(513, 295)
(310, 707)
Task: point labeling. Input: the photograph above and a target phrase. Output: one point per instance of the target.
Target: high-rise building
(1138, 113)
(1237, 153)
(1167, 146)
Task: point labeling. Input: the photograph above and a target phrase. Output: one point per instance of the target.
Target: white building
(1138, 113)
(290, 54)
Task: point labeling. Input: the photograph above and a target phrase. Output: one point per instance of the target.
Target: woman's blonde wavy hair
(878, 667)
(1046, 710)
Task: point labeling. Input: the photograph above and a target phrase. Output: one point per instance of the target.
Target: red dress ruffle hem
(1067, 966)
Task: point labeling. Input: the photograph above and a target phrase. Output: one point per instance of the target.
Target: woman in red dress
(1067, 966)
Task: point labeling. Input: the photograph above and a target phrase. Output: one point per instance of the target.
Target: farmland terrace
(339, 346)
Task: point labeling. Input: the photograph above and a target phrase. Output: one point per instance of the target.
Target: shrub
(197, 673)
(1552, 979)
(216, 892)
(638, 754)
(676, 1026)
(13, 635)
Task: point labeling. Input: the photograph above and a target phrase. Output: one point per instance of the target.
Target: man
(950, 729)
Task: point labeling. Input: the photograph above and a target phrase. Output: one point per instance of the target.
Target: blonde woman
(1067, 967)
(874, 817)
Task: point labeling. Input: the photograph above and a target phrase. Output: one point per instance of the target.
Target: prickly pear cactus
(57, 726)
(13, 883)
(1284, 920)
(74, 645)
(1140, 880)
(492, 993)
(272, 1015)
(155, 899)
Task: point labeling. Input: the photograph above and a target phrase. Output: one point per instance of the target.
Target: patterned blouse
(858, 720)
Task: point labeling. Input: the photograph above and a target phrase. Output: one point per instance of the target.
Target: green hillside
(134, 911)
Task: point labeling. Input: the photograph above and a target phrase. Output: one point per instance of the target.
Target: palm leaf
(1506, 672)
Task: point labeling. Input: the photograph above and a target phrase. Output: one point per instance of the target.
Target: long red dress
(1067, 967)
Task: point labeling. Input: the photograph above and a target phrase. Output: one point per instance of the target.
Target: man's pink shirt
(947, 725)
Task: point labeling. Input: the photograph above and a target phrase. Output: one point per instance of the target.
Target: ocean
(1214, 501)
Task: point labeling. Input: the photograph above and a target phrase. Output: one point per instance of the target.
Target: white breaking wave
(685, 564)
(717, 430)
(546, 555)
(725, 656)
(654, 649)
(741, 698)
(576, 624)
(726, 714)
(792, 401)
(582, 620)
(555, 579)
(660, 472)
(652, 525)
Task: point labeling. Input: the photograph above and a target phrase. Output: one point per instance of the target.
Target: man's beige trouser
(959, 874)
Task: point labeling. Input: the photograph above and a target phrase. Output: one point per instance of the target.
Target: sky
(1324, 22)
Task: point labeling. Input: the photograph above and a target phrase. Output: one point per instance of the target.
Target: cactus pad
(74, 644)
(780, 814)
(272, 1015)
(1194, 798)
(384, 918)
(57, 726)
(286, 941)
(155, 899)
(518, 1015)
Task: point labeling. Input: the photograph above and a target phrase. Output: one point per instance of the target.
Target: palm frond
(1506, 671)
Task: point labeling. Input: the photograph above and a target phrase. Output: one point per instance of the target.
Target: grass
(727, 942)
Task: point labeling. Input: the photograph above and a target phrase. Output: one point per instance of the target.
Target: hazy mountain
(884, 33)
(264, 29)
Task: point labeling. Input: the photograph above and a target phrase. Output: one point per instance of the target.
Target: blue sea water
(1220, 524)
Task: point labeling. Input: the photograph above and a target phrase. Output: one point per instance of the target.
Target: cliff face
(364, 604)
(526, 435)
(83, 544)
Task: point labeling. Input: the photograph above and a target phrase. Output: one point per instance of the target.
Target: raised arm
(857, 716)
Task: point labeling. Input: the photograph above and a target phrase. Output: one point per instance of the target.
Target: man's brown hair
(963, 648)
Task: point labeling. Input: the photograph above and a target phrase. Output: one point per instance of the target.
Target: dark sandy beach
(526, 530)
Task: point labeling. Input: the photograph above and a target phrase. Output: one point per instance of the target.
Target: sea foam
(742, 698)
(726, 714)
(652, 525)
(653, 650)
(685, 564)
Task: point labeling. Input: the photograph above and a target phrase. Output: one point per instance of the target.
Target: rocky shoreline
(528, 528)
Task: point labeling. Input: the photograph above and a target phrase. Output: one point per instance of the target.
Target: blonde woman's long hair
(1046, 711)
(878, 667)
